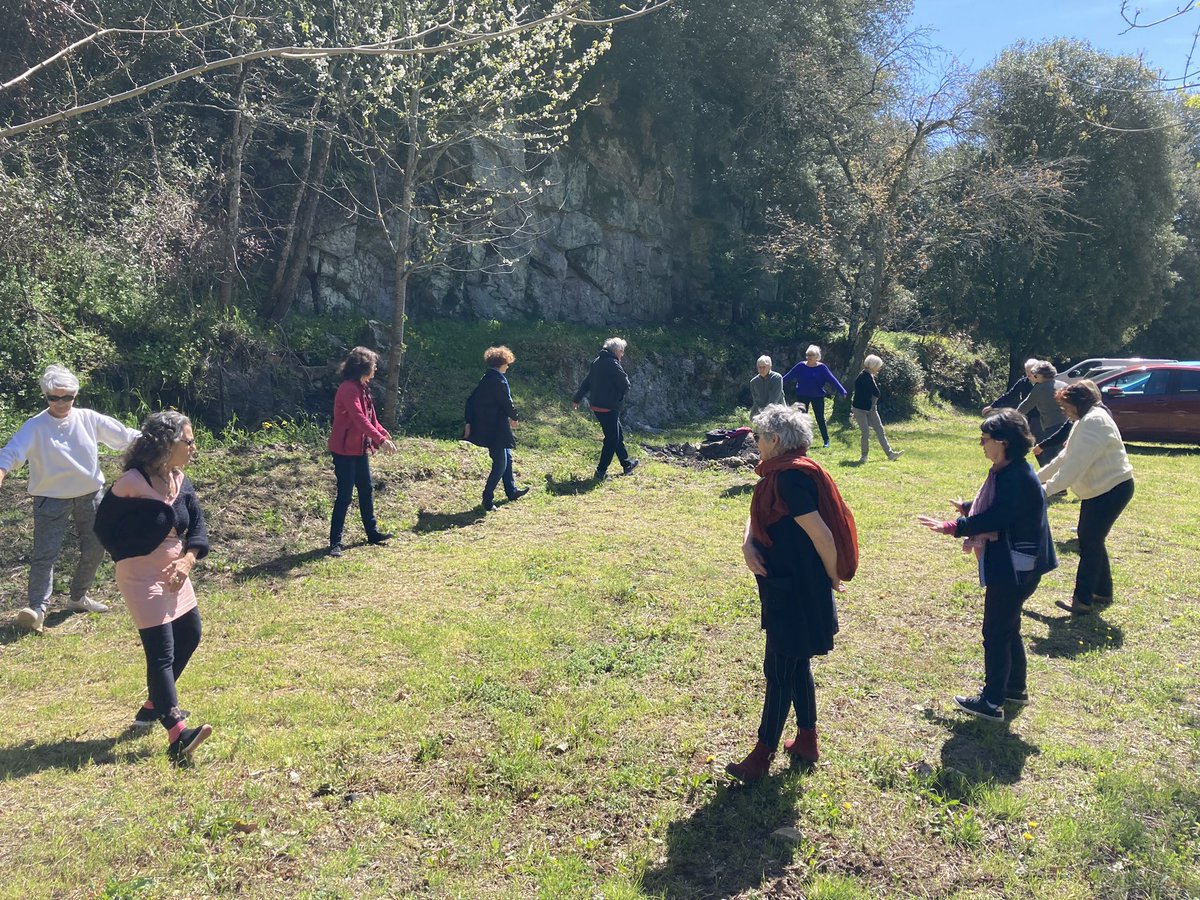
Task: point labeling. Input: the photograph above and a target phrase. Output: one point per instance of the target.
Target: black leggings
(816, 406)
(789, 684)
(168, 649)
(1096, 519)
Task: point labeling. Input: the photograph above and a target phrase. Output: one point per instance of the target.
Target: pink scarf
(982, 502)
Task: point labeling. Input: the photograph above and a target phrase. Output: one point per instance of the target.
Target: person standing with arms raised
(811, 378)
(605, 388)
(61, 445)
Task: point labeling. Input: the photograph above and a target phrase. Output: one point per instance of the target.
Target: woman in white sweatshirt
(61, 446)
(1093, 464)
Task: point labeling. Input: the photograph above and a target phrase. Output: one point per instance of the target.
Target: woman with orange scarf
(800, 543)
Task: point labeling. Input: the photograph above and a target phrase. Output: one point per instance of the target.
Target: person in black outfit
(491, 417)
(1007, 527)
(1016, 393)
(605, 387)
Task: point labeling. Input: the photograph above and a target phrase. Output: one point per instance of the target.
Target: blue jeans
(352, 472)
(614, 440)
(502, 468)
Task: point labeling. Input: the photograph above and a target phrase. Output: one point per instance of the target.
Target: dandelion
(846, 805)
(266, 425)
(1032, 824)
(710, 759)
(1027, 836)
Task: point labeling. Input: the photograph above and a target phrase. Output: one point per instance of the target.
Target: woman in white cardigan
(1093, 464)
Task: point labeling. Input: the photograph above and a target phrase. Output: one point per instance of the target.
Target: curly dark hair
(358, 362)
(1012, 428)
(160, 431)
(495, 357)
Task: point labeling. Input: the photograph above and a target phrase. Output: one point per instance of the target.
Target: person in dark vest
(791, 547)
(491, 418)
(1007, 529)
(605, 387)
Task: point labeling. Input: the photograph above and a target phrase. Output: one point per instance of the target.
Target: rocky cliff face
(618, 241)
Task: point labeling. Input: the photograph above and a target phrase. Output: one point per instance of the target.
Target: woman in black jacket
(1006, 526)
(605, 387)
(491, 417)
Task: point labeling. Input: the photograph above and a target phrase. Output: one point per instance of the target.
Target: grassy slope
(541, 703)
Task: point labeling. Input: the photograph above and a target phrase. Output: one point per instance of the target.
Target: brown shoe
(804, 746)
(754, 766)
(1075, 608)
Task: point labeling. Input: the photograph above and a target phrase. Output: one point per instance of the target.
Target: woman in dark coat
(1006, 527)
(491, 417)
(605, 387)
(355, 435)
(792, 551)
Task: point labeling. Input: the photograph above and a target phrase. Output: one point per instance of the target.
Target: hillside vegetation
(540, 701)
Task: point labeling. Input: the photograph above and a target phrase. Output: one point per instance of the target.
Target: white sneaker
(86, 604)
(32, 619)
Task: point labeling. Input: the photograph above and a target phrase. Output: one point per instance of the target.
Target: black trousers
(168, 649)
(1096, 519)
(1004, 663)
(789, 685)
(352, 472)
(614, 440)
(816, 406)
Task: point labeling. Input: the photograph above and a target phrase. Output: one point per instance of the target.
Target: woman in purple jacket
(811, 377)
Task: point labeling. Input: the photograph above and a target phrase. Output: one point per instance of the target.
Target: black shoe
(1098, 600)
(335, 550)
(147, 717)
(599, 476)
(488, 505)
(181, 749)
(979, 707)
(380, 537)
(631, 465)
(1020, 698)
(518, 493)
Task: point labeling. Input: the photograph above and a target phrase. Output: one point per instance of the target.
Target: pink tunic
(149, 598)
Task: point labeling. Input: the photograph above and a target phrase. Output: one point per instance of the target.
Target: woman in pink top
(152, 525)
(356, 434)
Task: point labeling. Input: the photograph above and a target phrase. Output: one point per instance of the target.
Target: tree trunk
(242, 129)
(877, 299)
(289, 236)
(299, 257)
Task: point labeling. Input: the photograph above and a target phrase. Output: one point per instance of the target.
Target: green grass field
(540, 702)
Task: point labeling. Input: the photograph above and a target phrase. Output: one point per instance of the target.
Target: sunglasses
(61, 398)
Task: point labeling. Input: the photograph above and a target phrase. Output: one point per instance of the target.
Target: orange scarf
(767, 507)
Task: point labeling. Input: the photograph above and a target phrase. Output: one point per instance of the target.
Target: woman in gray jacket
(1041, 408)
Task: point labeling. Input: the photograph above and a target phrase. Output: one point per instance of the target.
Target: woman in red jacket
(356, 433)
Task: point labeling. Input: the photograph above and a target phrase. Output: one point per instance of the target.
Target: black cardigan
(606, 383)
(1018, 513)
(489, 408)
(135, 526)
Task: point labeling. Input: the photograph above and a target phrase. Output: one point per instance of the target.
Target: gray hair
(788, 423)
(613, 344)
(160, 431)
(764, 361)
(1045, 370)
(1030, 363)
(873, 363)
(57, 378)
(813, 350)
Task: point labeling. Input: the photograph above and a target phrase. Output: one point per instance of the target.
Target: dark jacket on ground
(1018, 513)
(135, 526)
(866, 391)
(489, 408)
(606, 384)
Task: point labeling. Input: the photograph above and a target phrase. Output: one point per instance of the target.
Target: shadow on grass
(1071, 636)
(737, 490)
(430, 522)
(725, 848)
(281, 565)
(1154, 450)
(978, 751)
(28, 757)
(570, 486)
(11, 632)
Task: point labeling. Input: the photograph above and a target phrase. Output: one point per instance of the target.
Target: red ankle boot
(804, 747)
(754, 766)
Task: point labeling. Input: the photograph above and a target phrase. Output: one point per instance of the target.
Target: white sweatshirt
(62, 453)
(1093, 461)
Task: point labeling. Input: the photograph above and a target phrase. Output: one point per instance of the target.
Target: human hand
(574, 406)
(959, 504)
(939, 525)
(1037, 451)
(177, 570)
(467, 431)
(839, 585)
(754, 559)
(512, 423)
(388, 446)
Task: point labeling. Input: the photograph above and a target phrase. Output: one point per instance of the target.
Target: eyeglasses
(60, 398)
(191, 442)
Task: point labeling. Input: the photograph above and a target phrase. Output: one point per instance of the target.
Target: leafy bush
(901, 382)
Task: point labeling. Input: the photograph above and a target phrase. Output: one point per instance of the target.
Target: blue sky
(976, 31)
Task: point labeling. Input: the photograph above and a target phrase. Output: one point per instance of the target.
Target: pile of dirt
(688, 456)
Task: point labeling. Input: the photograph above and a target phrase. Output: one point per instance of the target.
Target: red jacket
(355, 425)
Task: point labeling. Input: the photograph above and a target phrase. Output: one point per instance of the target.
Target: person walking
(152, 524)
(800, 542)
(61, 445)
(766, 388)
(865, 407)
(491, 418)
(811, 377)
(605, 388)
(1007, 528)
(356, 434)
(1094, 465)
